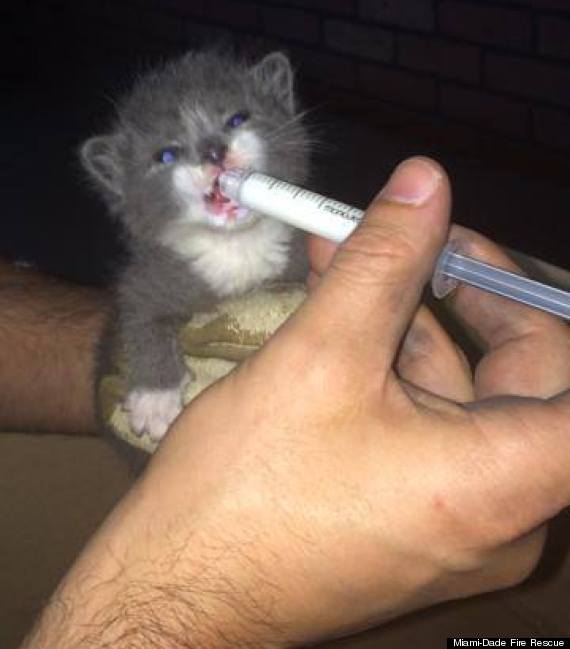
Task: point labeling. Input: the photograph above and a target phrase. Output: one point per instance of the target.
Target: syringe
(334, 220)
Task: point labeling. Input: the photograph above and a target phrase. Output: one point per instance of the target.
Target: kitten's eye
(237, 120)
(168, 155)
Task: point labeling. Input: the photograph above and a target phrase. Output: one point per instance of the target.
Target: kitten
(189, 246)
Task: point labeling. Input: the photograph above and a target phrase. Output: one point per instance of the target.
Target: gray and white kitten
(157, 169)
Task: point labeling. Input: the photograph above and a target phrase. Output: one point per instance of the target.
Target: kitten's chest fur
(231, 263)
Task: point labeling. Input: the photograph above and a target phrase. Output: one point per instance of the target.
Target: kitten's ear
(273, 75)
(100, 156)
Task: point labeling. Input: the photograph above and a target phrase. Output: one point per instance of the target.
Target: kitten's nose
(213, 150)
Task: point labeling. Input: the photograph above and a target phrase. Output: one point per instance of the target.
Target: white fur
(232, 262)
(190, 183)
(152, 411)
(247, 149)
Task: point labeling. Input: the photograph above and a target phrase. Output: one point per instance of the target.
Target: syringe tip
(230, 181)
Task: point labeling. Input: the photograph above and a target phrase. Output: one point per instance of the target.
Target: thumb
(372, 287)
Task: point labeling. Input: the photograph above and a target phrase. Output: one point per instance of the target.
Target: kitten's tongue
(217, 202)
(222, 209)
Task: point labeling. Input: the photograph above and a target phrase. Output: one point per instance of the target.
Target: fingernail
(413, 182)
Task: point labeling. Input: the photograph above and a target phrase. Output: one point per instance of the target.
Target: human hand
(341, 477)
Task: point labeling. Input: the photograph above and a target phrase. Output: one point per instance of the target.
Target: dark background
(482, 86)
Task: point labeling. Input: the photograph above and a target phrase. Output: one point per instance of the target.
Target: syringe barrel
(299, 207)
(334, 220)
(510, 285)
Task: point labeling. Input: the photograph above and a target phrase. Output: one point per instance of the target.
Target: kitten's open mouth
(222, 210)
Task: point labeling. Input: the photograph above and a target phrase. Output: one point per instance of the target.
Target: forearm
(48, 333)
(166, 614)
(203, 588)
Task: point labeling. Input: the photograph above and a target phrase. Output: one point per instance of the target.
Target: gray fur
(186, 102)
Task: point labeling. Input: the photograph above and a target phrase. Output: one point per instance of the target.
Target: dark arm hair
(199, 608)
(48, 333)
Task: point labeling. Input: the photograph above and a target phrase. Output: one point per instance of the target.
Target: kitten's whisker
(304, 141)
(283, 139)
(296, 118)
(277, 135)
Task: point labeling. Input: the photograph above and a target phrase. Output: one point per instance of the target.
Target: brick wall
(500, 67)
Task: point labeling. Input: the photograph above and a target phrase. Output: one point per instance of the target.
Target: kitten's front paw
(152, 411)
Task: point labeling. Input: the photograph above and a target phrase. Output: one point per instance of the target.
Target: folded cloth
(213, 343)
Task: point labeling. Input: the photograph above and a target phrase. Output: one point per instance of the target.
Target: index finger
(527, 351)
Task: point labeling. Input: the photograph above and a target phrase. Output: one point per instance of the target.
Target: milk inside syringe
(334, 220)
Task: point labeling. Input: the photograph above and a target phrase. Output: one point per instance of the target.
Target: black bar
(508, 643)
